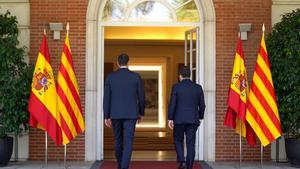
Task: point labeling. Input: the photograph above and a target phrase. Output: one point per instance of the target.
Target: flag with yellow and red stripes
(72, 122)
(262, 111)
(42, 103)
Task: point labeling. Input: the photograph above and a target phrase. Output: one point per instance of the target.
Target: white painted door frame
(100, 82)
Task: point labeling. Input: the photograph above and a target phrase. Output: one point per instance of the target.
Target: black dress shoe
(182, 166)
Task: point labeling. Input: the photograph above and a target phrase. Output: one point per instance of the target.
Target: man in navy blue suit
(186, 110)
(124, 104)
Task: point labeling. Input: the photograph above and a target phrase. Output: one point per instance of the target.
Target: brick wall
(229, 13)
(42, 12)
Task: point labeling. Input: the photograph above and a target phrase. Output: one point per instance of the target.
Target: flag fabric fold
(72, 122)
(262, 111)
(237, 98)
(42, 103)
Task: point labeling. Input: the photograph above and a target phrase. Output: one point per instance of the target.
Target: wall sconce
(56, 28)
(244, 29)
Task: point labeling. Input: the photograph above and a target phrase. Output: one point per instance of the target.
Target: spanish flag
(262, 112)
(42, 102)
(237, 98)
(72, 121)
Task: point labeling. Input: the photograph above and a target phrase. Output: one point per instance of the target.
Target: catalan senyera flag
(237, 98)
(262, 112)
(72, 122)
(42, 102)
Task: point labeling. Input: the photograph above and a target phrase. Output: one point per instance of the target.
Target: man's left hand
(171, 124)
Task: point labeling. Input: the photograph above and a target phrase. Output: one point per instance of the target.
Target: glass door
(191, 59)
(191, 47)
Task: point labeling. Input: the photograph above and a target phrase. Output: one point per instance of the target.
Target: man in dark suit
(186, 110)
(124, 104)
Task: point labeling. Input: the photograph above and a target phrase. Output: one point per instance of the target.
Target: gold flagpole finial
(263, 28)
(68, 28)
(239, 34)
(44, 31)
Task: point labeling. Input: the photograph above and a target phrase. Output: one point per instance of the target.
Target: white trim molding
(280, 7)
(94, 80)
(286, 2)
(14, 1)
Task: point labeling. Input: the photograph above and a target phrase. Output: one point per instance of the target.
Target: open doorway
(155, 53)
(101, 14)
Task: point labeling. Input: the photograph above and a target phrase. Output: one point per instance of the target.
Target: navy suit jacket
(124, 96)
(187, 103)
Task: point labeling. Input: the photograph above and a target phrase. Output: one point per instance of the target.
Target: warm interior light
(162, 134)
(145, 33)
(161, 121)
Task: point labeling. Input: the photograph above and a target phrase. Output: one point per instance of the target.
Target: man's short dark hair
(185, 72)
(123, 59)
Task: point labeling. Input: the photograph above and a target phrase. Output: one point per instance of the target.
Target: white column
(210, 92)
(209, 124)
(91, 92)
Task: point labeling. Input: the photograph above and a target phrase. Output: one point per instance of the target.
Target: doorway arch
(94, 82)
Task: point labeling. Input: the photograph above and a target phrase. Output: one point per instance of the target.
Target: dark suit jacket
(187, 103)
(124, 96)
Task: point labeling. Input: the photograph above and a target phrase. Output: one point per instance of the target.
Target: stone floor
(51, 165)
(249, 165)
(95, 165)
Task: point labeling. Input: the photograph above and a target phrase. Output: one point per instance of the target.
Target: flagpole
(261, 156)
(261, 146)
(46, 138)
(65, 146)
(240, 163)
(46, 151)
(65, 156)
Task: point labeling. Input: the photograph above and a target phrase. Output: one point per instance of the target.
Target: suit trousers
(124, 133)
(190, 131)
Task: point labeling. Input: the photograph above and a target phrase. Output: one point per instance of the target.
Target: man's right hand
(140, 119)
(107, 122)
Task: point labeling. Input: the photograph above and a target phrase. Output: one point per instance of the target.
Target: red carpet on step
(147, 165)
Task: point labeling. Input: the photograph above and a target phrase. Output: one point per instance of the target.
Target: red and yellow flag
(72, 121)
(237, 98)
(262, 112)
(42, 102)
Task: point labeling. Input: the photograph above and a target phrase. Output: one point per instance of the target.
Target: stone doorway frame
(94, 80)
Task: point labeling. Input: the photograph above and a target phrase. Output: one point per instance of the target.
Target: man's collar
(123, 67)
(185, 79)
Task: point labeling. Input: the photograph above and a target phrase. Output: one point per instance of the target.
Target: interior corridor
(157, 59)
